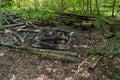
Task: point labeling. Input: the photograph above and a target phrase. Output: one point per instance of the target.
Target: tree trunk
(90, 7)
(83, 6)
(0, 13)
(113, 9)
(62, 5)
(36, 8)
(18, 3)
(98, 13)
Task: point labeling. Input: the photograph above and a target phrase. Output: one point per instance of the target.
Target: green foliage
(4, 48)
(27, 7)
(29, 13)
(117, 76)
(117, 34)
(117, 21)
(75, 6)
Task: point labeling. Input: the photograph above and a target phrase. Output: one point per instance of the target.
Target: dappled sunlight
(41, 77)
(2, 54)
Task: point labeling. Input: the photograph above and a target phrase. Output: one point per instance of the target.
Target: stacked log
(20, 33)
(78, 21)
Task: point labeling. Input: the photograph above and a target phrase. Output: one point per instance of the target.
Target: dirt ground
(21, 66)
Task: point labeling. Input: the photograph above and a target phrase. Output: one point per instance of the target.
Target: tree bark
(98, 13)
(0, 13)
(83, 6)
(90, 7)
(113, 9)
(35, 3)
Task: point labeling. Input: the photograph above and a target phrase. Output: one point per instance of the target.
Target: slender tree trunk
(83, 6)
(58, 10)
(0, 13)
(113, 9)
(98, 13)
(18, 3)
(62, 5)
(35, 3)
(90, 7)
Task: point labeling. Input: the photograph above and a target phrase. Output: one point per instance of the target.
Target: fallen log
(69, 53)
(53, 39)
(106, 21)
(77, 16)
(45, 45)
(57, 56)
(60, 57)
(50, 54)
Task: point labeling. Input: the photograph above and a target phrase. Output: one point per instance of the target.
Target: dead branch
(106, 21)
(95, 63)
(52, 55)
(49, 46)
(30, 23)
(84, 61)
(69, 39)
(38, 39)
(26, 30)
(69, 53)
(85, 17)
(14, 25)
(59, 55)
(14, 33)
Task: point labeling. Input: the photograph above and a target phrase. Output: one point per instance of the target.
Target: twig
(84, 61)
(6, 38)
(69, 39)
(14, 25)
(25, 30)
(30, 23)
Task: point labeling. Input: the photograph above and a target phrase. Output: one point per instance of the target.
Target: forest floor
(21, 66)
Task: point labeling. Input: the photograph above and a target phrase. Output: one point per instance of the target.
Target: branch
(17, 35)
(84, 61)
(30, 23)
(95, 63)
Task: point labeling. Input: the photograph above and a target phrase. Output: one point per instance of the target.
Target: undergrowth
(116, 76)
(109, 49)
(29, 13)
(117, 34)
